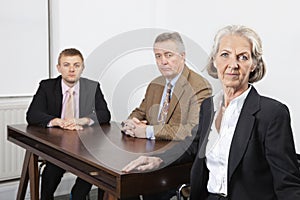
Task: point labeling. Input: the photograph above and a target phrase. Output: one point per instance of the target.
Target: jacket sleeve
(281, 155)
(140, 112)
(102, 111)
(39, 112)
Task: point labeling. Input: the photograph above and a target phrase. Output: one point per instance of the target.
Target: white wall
(24, 46)
(94, 25)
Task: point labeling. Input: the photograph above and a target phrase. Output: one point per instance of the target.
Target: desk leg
(34, 177)
(24, 177)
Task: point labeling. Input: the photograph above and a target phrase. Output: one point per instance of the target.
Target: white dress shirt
(218, 146)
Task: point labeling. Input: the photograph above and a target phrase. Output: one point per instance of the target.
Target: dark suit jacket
(262, 162)
(189, 92)
(262, 159)
(47, 102)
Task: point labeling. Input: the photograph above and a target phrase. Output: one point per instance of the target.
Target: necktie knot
(169, 88)
(70, 91)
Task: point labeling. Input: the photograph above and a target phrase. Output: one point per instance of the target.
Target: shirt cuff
(150, 132)
(49, 125)
(91, 122)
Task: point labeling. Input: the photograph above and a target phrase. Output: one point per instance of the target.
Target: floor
(93, 196)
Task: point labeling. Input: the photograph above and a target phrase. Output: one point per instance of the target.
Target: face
(70, 68)
(234, 62)
(170, 63)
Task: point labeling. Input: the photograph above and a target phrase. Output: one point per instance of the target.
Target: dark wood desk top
(97, 154)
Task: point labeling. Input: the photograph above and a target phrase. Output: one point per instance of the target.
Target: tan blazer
(189, 92)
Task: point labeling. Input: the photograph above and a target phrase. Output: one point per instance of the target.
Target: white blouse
(218, 146)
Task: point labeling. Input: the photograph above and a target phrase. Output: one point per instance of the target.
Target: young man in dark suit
(50, 108)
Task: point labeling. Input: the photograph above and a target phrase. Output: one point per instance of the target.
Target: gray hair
(256, 51)
(175, 37)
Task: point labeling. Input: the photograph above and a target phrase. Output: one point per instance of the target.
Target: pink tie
(69, 110)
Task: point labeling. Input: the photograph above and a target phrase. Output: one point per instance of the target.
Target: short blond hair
(70, 52)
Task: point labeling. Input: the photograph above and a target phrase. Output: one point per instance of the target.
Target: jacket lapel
(178, 91)
(58, 96)
(82, 96)
(157, 92)
(207, 119)
(243, 131)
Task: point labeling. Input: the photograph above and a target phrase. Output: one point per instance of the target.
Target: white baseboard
(8, 191)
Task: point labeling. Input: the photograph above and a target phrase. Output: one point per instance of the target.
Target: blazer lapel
(178, 91)
(153, 105)
(243, 131)
(58, 96)
(158, 92)
(83, 96)
(205, 123)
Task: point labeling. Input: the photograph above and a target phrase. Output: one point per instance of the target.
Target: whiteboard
(23, 46)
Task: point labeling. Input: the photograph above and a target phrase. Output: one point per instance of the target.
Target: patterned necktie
(69, 110)
(164, 110)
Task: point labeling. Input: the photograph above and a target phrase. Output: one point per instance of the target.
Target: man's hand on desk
(134, 127)
(83, 121)
(143, 163)
(70, 124)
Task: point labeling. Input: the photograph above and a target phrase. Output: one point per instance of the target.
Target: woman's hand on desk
(143, 163)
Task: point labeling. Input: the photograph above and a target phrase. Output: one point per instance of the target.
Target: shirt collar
(65, 87)
(239, 101)
(174, 80)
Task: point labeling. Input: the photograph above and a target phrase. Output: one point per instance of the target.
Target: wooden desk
(96, 154)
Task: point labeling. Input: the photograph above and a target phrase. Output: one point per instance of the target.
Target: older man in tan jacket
(170, 108)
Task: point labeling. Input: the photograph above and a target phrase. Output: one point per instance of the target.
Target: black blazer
(47, 102)
(262, 160)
